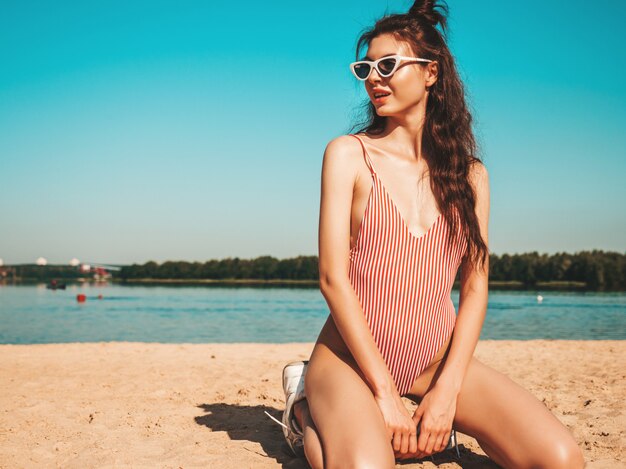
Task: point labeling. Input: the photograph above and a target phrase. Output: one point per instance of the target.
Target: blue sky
(136, 131)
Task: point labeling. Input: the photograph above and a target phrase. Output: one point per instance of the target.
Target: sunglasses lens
(386, 66)
(362, 70)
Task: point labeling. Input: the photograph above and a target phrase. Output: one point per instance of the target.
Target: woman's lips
(381, 99)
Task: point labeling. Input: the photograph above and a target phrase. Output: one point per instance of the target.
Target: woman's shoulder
(342, 141)
(478, 175)
(342, 158)
(343, 148)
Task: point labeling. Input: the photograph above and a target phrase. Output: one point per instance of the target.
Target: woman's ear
(432, 72)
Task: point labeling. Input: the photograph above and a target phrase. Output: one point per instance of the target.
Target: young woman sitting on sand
(404, 205)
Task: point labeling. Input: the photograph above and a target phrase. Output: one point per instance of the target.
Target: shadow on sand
(249, 423)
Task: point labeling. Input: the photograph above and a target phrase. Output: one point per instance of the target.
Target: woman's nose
(374, 76)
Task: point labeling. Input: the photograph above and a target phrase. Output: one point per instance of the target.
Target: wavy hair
(447, 138)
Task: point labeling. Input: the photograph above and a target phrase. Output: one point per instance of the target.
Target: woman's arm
(438, 406)
(339, 174)
(472, 298)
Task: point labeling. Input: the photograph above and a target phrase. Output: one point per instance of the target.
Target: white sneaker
(293, 386)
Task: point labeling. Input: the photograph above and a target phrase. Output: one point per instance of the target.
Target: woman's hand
(434, 415)
(401, 427)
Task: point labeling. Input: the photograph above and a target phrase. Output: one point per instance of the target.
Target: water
(196, 314)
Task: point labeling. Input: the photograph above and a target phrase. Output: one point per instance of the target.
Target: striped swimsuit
(404, 284)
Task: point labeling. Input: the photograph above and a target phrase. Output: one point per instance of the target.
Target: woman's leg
(312, 443)
(512, 426)
(347, 420)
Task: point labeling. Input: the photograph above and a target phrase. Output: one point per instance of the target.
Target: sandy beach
(153, 405)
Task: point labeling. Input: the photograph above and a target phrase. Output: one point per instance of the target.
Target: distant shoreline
(495, 285)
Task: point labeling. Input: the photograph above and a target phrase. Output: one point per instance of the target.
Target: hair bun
(426, 10)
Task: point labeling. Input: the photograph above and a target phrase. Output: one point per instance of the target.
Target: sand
(152, 405)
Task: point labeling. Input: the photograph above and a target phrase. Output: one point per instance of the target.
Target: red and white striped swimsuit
(404, 284)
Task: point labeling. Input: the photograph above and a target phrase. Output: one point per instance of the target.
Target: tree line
(597, 269)
(590, 270)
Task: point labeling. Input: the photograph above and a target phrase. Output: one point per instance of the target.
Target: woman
(417, 200)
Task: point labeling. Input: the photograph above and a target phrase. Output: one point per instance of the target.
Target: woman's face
(407, 86)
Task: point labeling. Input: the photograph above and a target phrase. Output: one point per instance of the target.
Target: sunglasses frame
(374, 65)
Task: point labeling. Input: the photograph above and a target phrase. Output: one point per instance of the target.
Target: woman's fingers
(427, 442)
(422, 439)
(444, 441)
(401, 440)
(435, 443)
(432, 441)
(405, 441)
(413, 443)
(397, 441)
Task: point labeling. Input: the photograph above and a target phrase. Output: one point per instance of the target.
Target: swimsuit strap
(368, 162)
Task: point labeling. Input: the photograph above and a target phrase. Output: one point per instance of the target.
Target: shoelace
(296, 433)
(276, 420)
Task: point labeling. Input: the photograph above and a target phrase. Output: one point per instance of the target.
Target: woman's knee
(347, 418)
(367, 455)
(565, 454)
(511, 420)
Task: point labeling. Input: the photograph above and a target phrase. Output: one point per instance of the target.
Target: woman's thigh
(507, 420)
(347, 419)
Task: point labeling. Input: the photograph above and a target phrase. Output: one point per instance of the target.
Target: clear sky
(150, 130)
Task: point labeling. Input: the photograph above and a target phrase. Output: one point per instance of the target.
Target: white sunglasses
(385, 66)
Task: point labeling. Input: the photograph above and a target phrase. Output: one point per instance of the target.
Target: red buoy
(81, 297)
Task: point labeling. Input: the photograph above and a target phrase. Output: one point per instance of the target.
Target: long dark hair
(447, 139)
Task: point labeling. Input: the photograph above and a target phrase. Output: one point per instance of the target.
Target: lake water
(196, 314)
